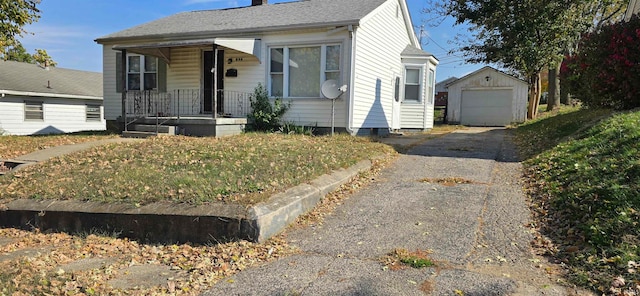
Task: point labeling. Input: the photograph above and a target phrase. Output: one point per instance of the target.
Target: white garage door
(486, 107)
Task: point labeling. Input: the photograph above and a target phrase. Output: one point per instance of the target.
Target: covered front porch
(192, 85)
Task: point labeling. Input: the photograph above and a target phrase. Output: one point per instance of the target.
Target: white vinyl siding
(497, 82)
(60, 116)
(377, 64)
(112, 99)
(185, 70)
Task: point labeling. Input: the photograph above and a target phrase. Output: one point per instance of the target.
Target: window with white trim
(33, 111)
(432, 77)
(93, 112)
(142, 72)
(299, 71)
(412, 85)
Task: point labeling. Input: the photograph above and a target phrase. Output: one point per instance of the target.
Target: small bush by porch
(244, 169)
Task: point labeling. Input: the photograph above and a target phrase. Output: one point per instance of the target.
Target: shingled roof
(30, 79)
(252, 19)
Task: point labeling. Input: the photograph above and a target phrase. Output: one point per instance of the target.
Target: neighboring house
(442, 91)
(487, 97)
(291, 48)
(633, 8)
(43, 100)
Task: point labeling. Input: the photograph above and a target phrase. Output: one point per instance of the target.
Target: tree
(14, 15)
(527, 35)
(524, 36)
(16, 52)
(582, 16)
(42, 57)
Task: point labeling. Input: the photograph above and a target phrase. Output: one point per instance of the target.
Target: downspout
(352, 79)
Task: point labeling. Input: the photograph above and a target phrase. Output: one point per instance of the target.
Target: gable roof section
(32, 80)
(483, 69)
(413, 51)
(252, 19)
(446, 82)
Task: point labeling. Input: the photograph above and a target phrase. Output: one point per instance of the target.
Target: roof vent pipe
(258, 2)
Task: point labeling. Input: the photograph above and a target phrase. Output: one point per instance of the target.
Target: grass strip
(585, 194)
(246, 169)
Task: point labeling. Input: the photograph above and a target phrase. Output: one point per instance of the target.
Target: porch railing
(186, 102)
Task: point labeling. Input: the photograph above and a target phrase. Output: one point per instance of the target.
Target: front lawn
(246, 169)
(14, 146)
(584, 190)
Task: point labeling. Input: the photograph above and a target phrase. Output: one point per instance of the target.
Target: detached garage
(487, 97)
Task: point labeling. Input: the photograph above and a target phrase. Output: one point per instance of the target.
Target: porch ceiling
(163, 49)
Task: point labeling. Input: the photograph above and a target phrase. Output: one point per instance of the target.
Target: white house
(38, 100)
(633, 8)
(487, 97)
(173, 65)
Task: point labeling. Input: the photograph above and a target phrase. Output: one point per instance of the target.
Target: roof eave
(105, 39)
(49, 95)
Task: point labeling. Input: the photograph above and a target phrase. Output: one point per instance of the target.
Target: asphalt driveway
(476, 230)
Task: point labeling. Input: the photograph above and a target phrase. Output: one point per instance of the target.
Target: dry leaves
(199, 267)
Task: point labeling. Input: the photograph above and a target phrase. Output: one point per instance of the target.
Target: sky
(67, 29)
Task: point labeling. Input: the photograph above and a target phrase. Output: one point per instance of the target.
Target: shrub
(266, 117)
(606, 70)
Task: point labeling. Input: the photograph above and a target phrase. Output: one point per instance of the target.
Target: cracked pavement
(476, 232)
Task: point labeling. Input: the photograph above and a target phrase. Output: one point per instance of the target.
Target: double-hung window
(412, 85)
(299, 71)
(33, 111)
(142, 72)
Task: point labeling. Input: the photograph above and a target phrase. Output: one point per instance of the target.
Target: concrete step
(137, 134)
(162, 129)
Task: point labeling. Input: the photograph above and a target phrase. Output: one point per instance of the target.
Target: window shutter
(162, 76)
(119, 72)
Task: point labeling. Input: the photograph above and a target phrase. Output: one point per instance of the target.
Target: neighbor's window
(33, 110)
(412, 87)
(298, 72)
(93, 113)
(432, 76)
(142, 71)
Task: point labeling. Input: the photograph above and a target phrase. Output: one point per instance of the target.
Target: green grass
(586, 190)
(246, 169)
(550, 128)
(14, 146)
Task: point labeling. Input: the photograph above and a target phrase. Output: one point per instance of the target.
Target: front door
(208, 81)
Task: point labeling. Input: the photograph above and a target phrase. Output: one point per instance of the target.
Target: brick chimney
(258, 2)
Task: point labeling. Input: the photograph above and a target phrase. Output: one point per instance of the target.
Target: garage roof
(482, 69)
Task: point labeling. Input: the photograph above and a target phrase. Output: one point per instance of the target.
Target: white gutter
(50, 95)
(352, 80)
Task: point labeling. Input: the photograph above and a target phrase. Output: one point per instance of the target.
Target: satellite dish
(331, 90)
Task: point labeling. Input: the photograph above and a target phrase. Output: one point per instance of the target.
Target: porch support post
(123, 83)
(215, 81)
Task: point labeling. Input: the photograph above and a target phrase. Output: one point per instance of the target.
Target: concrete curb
(167, 222)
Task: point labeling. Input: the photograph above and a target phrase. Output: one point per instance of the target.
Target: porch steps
(162, 129)
(146, 131)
